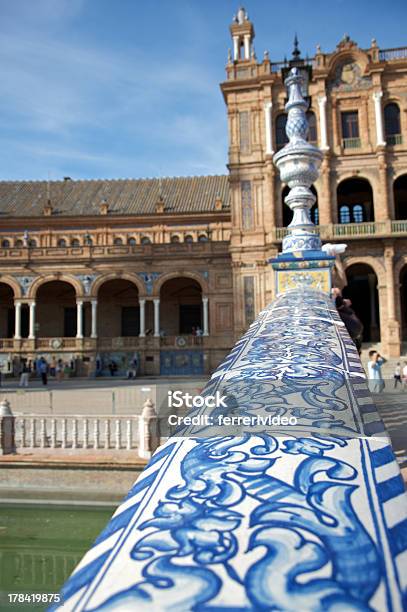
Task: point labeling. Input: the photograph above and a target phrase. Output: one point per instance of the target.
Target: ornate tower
(248, 95)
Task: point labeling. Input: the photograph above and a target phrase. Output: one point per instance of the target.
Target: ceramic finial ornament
(298, 163)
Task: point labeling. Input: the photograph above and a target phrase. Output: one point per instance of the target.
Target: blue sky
(129, 88)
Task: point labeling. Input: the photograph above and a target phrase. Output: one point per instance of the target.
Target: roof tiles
(193, 194)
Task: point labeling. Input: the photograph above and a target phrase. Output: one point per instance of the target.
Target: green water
(41, 545)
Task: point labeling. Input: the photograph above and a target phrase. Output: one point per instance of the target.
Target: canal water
(40, 546)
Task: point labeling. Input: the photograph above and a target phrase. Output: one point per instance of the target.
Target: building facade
(173, 270)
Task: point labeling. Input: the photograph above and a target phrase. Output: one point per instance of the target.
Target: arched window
(355, 200)
(118, 242)
(202, 238)
(75, 242)
(344, 214)
(61, 242)
(281, 136)
(392, 123)
(32, 243)
(188, 238)
(18, 243)
(5, 244)
(312, 123)
(357, 213)
(131, 242)
(175, 239)
(145, 240)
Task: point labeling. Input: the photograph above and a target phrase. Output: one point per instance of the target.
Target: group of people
(355, 329)
(56, 369)
(131, 371)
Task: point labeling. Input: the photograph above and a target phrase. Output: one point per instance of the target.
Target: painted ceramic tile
(314, 519)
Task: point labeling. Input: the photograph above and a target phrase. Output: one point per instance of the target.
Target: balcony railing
(394, 139)
(397, 53)
(356, 229)
(368, 229)
(351, 143)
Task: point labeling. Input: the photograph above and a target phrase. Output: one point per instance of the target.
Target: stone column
(268, 123)
(322, 123)
(236, 48)
(142, 318)
(393, 326)
(17, 324)
(94, 326)
(247, 46)
(205, 316)
(324, 196)
(31, 333)
(79, 318)
(157, 317)
(381, 202)
(377, 98)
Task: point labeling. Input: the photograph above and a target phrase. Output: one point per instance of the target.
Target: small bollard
(7, 429)
(149, 435)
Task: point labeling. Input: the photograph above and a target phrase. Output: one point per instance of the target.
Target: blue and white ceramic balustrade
(309, 514)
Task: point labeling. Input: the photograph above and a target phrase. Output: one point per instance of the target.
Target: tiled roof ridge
(115, 180)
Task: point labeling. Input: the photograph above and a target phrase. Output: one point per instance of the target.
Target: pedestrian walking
(404, 376)
(59, 370)
(43, 368)
(374, 366)
(24, 375)
(397, 375)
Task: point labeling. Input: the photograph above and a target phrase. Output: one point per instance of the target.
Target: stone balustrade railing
(306, 513)
(369, 229)
(95, 432)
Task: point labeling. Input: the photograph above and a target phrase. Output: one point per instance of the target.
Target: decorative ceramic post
(302, 262)
(7, 429)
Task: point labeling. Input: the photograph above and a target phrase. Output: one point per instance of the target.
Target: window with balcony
(350, 130)
(355, 201)
(118, 242)
(188, 238)
(5, 244)
(75, 242)
(145, 240)
(61, 242)
(281, 136)
(131, 242)
(392, 125)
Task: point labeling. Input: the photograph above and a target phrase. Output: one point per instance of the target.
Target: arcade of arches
(116, 317)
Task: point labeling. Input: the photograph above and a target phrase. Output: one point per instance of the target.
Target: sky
(130, 88)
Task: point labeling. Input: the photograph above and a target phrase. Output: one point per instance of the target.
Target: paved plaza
(94, 396)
